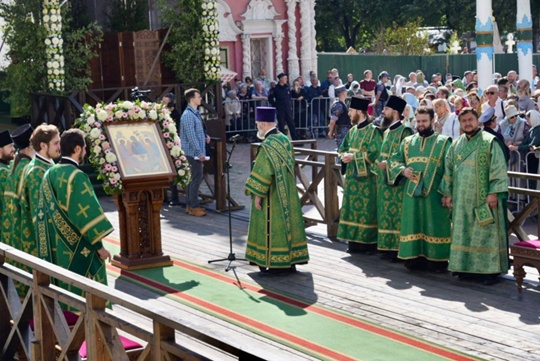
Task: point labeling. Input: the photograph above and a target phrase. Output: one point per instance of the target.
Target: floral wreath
(210, 27)
(101, 155)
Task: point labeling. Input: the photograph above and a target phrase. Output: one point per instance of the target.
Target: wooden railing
(182, 334)
(534, 204)
(311, 173)
(315, 169)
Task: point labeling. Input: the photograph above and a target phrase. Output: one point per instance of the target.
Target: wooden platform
(491, 322)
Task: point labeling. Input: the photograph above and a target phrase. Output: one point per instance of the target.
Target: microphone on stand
(235, 138)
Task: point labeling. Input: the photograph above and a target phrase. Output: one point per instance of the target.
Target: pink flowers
(102, 154)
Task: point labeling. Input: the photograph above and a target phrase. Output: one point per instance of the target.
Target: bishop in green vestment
(359, 150)
(7, 153)
(390, 192)
(70, 221)
(276, 236)
(425, 224)
(475, 184)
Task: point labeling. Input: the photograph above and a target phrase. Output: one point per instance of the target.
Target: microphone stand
(231, 257)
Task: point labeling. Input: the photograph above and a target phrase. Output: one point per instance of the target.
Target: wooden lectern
(146, 169)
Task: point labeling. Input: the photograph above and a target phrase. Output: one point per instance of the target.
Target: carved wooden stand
(140, 228)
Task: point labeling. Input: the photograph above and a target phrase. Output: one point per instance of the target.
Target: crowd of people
(426, 169)
(311, 99)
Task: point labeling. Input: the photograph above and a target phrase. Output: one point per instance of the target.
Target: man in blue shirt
(194, 139)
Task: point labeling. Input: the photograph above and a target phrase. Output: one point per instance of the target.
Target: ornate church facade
(274, 35)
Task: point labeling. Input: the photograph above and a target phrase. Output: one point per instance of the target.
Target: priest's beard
(260, 134)
(355, 119)
(425, 131)
(385, 123)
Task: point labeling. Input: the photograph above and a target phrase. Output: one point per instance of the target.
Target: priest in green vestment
(424, 241)
(11, 217)
(276, 236)
(390, 192)
(474, 186)
(359, 150)
(70, 221)
(46, 142)
(7, 154)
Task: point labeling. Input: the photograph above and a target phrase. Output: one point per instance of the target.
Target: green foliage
(79, 48)
(25, 37)
(128, 15)
(403, 39)
(185, 54)
(344, 23)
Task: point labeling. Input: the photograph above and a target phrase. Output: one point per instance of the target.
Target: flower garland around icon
(101, 154)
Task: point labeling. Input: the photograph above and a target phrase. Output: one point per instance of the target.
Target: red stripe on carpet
(233, 315)
(321, 311)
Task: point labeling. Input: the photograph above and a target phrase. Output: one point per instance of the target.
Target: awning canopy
(226, 75)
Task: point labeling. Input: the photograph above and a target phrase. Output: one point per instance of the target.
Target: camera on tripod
(138, 94)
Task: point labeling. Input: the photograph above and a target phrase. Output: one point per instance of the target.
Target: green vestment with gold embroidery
(28, 202)
(11, 217)
(474, 169)
(4, 176)
(425, 223)
(389, 193)
(276, 234)
(71, 223)
(358, 216)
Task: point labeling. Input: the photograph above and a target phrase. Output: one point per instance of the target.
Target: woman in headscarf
(459, 103)
(354, 89)
(408, 117)
(474, 101)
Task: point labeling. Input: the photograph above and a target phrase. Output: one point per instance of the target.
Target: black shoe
(419, 263)
(390, 256)
(174, 203)
(437, 266)
(490, 280)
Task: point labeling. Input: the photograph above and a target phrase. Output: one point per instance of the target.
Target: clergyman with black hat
(389, 191)
(11, 217)
(420, 159)
(280, 98)
(7, 154)
(276, 239)
(359, 150)
(340, 123)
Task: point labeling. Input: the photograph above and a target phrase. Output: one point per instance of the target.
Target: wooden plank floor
(491, 322)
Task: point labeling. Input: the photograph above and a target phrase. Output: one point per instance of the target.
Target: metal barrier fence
(310, 117)
(520, 163)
